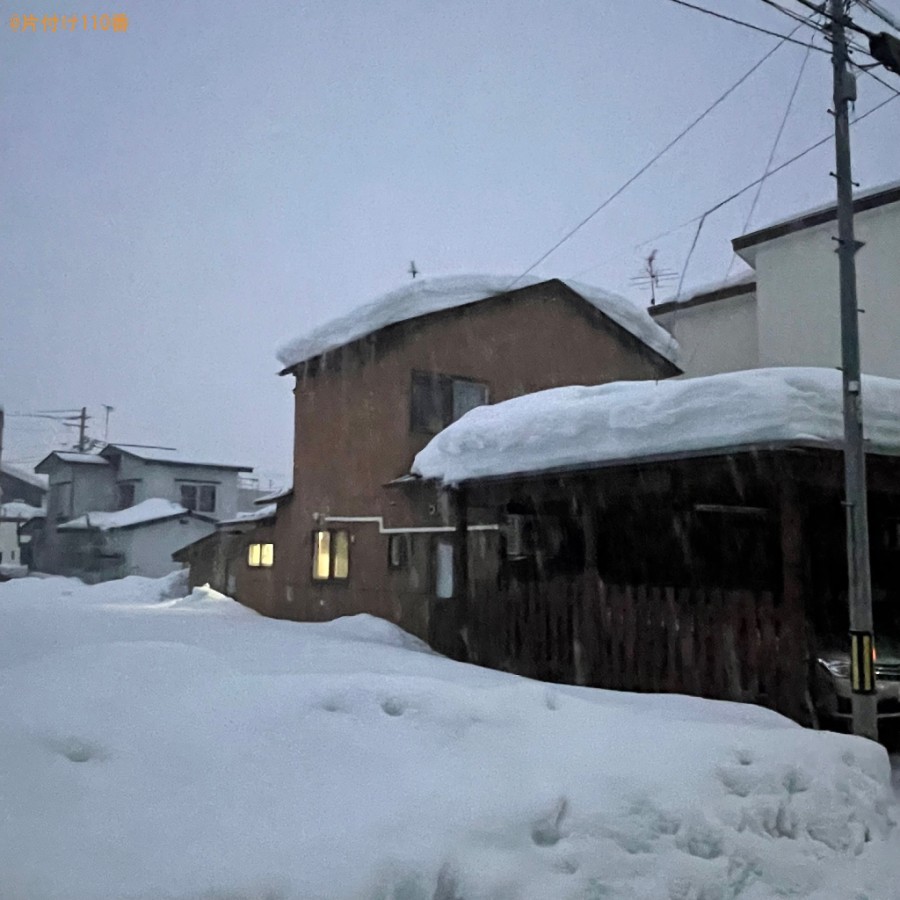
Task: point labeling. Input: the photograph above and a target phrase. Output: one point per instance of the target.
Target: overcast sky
(179, 199)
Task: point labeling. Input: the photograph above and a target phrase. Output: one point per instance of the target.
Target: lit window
(331, 555)
(260, 555)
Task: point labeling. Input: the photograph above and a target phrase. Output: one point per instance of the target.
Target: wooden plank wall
(730, 645)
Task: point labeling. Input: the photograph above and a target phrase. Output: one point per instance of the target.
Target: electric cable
(650, 163)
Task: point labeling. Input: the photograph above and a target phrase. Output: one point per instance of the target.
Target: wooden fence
(733, 645)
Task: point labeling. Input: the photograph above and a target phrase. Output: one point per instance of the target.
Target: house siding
(352, 434)
(720, 336)
(798, 295)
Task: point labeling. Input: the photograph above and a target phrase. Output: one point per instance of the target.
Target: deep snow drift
(159, 746)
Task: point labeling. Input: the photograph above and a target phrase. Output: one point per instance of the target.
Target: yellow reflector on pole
(862, 662)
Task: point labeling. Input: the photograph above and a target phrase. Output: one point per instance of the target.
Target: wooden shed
(719, 572)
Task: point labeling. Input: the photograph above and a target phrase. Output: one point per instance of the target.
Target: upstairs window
(331, 555)
(261, 555)
(199, 497)
(126, 494)
(61, 499)
(437, 400)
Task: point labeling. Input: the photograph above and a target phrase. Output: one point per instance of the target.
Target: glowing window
(260, 555)
(331, 555)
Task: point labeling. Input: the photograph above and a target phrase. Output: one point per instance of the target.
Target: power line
(847, 23)
(775, 143)
(710, 12)
(880, 13)
(846, 20)
(791, 14)
(753, 184)
(569, 234)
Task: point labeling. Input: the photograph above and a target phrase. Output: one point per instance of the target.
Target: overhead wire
(651, 162)
(717, 206)
(772, 152)
(717, 15)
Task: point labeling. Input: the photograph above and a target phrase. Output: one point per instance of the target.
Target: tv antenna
(653, 277)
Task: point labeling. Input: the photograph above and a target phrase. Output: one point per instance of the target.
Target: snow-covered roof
(624, 421)
(38, 481)
(870, 198)
(172, 457)
(431, 295)
(274, 495)
(16, 509)
(73, 457)
(147, 511)
(257, 515)
(728, 286)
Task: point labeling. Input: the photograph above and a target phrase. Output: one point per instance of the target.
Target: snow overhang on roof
(21, 512)
(623, 422)
(430, 295)
(745, 245)
(273, 496)
(260, 515)
(38, 481)
(736, 286)
(170, 457)
(145, 513)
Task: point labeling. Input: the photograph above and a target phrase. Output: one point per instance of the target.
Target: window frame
(442, 389)
(402, 541)
(259, 547)
(331, 578)
(127, 486)
(198, 488)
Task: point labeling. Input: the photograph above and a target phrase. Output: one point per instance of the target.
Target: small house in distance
(126, 509)
(375, 385)
(237, 557)
(22, 498)
(685, 536)
(18, 484)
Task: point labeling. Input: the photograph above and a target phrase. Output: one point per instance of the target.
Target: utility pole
(859, 582)
(82, 427)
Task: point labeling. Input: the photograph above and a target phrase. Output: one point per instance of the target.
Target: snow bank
(582, 426)
(429, 295)
(139, 514)
(155, 745)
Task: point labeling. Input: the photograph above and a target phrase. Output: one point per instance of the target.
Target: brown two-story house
(373, 387)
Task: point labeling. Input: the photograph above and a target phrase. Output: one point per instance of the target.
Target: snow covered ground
(161, 746)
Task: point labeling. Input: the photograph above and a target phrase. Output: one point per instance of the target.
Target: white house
(22, 498)
(162, 500)
(14, 550)
(139, 540)
(786, 311)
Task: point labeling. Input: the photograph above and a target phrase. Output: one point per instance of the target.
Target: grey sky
(179, 199)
